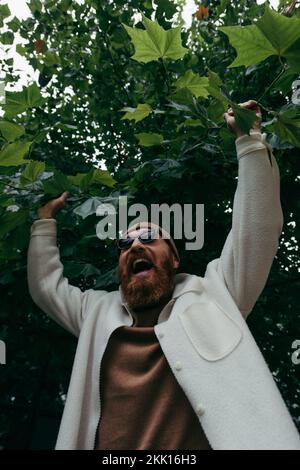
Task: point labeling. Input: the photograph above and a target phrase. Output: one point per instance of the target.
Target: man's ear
(175, 262)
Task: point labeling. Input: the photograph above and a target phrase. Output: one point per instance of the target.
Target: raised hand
(49, 210)
(230, 118)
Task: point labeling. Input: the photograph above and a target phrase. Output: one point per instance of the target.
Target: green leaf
(215, 83)
(4, 11)
(279, 30)
(287, 126)
(21, 50)
(197, 85)
(6, 200)
(18, 102)
(65, 4)
(216, 110)
(51, 58)
(104, 177)
(245, 118)
(222, 7)
(57, 184)
(190, 122)
(272, 34)
(40, 136)
(139, 113)
(149, 139)
(159, 168)
(13, 154)
(182, 99)
(164, 7)
(226, 95)
(35, 5)
(7, 38)
(31, 172)
(14, 24)
(293, 56)
(250, 43)
(287, 133)
(34, 97)
(10, 220)
(155, 42)
(11, 131)
(84, 180)
(168, 167)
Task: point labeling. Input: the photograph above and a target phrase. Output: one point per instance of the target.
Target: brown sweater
(143, 406)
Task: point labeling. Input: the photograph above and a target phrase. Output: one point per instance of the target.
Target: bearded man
(168, 361)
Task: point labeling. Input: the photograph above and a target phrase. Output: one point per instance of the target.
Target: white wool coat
(202, 330)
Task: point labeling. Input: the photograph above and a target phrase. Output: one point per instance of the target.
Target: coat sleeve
(257, 222)
(50, 290)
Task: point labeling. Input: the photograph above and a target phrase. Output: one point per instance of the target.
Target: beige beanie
(162, 231)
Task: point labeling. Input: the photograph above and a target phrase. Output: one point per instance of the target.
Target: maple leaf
(272, 34)
(250, 43)
(214, 86)
(193, 82)
(245, 118)
(281, 31)
(155, 42)
(287, 126)
(147, 139)
(140, 112)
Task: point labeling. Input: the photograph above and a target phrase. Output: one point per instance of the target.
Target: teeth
(136, 262)
(140, 260)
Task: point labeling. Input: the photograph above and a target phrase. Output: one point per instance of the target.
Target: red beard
(148, 291)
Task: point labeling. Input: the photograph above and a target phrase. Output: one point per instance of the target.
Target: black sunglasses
(145, 237)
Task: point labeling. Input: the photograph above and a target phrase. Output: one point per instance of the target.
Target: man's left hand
(230, 118)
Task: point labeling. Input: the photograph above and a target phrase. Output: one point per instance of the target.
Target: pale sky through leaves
(20, 9)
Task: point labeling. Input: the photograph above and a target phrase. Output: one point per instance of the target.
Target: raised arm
(50, 290)
(257, 220)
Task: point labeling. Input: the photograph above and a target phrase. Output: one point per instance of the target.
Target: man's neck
(148, 316)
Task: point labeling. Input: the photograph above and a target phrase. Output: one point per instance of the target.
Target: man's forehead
(136, 232)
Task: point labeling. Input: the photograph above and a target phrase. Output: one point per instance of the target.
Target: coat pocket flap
(213, 334)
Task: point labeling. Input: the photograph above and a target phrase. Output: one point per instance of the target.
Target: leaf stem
(166, 75)
(274, 81)
(266, 109)
(211, 123)
(8, 185)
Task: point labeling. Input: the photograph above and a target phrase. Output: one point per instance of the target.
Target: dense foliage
(145, 102)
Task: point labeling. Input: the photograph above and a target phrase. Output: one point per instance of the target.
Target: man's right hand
(49, 210)
(231, 122)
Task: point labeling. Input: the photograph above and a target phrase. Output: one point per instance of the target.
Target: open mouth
(141, 266)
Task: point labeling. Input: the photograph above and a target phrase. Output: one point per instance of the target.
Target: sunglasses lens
(147, 236)
(124, 243)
